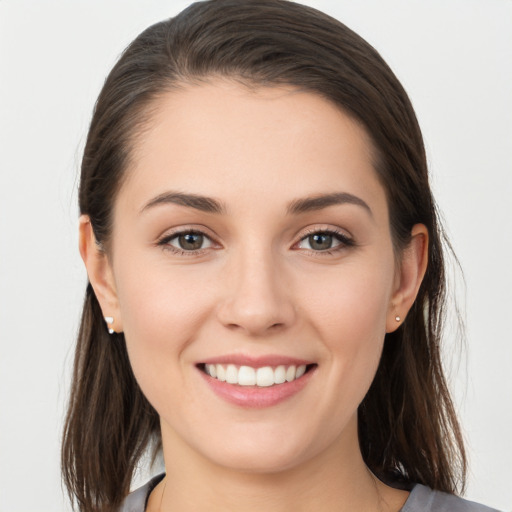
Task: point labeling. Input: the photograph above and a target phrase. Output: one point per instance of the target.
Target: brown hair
(407, 425)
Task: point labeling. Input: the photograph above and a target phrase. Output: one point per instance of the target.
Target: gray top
(421, 499)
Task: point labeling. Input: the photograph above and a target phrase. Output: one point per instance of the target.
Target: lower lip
(256, 397)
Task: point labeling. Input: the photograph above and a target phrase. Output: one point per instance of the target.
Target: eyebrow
(297, 206)
(198, 202)
(321, 201)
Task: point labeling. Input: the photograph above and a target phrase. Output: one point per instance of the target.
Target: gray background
(454, 57)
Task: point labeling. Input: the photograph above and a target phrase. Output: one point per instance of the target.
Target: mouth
(256, 376)
(256, 381)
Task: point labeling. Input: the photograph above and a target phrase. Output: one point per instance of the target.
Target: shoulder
(423, 499)
(136, 500)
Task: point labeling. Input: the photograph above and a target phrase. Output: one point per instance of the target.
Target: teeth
(265, 377)
(246, 376)
(301, 370)
(211, 369)
(221, 373)
(232, 374)
(290, 373)
(280, 375)
(261, 377)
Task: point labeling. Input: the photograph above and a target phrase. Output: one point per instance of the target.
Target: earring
(397, 318)
(110, 321)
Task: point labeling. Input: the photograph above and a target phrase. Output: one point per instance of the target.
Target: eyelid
(163, 240)
(324, 228)
(345, 240)
(187, 228)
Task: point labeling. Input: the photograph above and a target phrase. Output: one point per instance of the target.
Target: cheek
(349, 311)
(159, 298)
(162, 311)
(351, 301)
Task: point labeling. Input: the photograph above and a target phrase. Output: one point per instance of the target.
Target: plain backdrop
(454, 58)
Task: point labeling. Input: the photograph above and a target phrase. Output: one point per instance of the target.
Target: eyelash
(164, 242)
(344, 242)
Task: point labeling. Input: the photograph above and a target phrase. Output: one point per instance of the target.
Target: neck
(336, 480)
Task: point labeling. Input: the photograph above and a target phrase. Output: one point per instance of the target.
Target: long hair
(408, 430)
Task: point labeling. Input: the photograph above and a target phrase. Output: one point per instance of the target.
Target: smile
(256, 382)
(262, 377)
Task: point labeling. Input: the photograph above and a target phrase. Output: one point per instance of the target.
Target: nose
(257, 299)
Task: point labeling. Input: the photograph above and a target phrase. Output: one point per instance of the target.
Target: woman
(266, 277)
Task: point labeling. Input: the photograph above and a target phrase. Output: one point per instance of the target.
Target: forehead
(226, 140)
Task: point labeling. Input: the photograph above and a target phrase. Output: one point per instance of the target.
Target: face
(251, 246)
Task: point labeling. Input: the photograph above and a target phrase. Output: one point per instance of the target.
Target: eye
(186, 241)
(325, 240)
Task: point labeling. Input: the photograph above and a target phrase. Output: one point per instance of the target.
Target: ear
(409, 276)
(100, 273)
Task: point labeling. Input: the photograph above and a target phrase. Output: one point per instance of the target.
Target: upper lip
(257, 361)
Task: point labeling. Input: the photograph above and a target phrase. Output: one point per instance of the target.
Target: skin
(257, 287)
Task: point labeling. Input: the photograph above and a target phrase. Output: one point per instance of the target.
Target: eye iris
(191, 241)
(320, 241)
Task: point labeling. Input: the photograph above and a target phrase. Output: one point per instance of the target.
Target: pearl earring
(110, 321)
(397, 318)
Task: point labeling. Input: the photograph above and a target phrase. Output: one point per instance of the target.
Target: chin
(257, 453)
